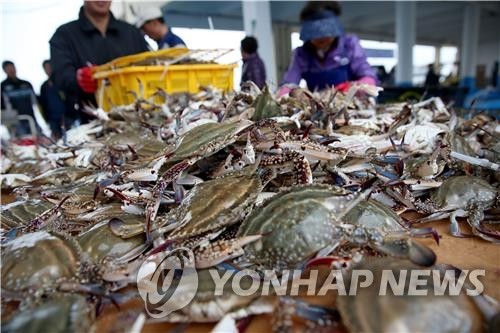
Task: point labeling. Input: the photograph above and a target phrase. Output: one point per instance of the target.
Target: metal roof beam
(385, 16)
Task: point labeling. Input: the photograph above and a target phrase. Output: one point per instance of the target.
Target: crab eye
(376, 237)
(359, 236)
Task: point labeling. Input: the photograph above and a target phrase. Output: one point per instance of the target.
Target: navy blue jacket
(77, 43)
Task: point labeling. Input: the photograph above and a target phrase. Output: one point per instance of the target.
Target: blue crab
(299, 222)
(196, 144)
(462, 196)
(37, 261)
(370, 311)
(208, 209)
(60, 314)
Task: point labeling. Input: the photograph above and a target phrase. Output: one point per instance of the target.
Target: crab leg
(152, 208)
(454, 227)
(145, 174)
(314, 315)
(425, 232)
(476, 216)
(397, 244)
(46, 217)
(153, 205)
(222, 250)
(475, 161)
(301, 166)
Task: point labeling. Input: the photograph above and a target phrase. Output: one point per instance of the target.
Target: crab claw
(315, 315)
(105, 183)
(222, 250)
(117, 193)
(387, 174)
(162, 247)
(486, 234)
(402, 246)
(425, 232)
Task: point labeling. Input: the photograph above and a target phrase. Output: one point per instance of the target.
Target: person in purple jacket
(253, 66)
(328, 57)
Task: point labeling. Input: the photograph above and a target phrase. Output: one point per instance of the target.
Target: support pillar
(405, 38)
(283, 47)
(437, 59)
(257, 23)
(470, 41)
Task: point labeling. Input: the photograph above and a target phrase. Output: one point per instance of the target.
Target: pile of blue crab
(240, 181)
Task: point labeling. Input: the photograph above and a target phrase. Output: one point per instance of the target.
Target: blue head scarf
(323, 24)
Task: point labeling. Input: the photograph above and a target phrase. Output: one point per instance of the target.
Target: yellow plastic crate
(115, 80)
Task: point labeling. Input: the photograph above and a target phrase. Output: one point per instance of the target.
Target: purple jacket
(348, 51)
(254, 70)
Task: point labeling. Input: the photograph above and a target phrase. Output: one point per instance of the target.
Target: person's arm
(63, 64)
(260, 75)
(140, 41)
(294, 72)
(43, 100)
(360, 67)
(178, 41)
(256, 72)
(172, 40)
(2, 102)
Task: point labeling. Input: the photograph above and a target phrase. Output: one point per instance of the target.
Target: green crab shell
(295, 224)
(216, 203)
(68, 313)
(368, 311)
(99, 242)
(20, 212)
(39, 259)
(206, 139)
(374, 215)
(463, 191)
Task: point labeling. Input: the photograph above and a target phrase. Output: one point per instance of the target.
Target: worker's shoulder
(66, 29)
(300, 51)
(126, 27)
(26, 83)
(351, 39)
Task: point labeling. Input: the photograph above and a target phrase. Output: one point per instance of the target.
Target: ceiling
(438, 22)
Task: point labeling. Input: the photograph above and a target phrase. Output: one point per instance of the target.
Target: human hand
(85, 80)
(343, 87)
(283, 91)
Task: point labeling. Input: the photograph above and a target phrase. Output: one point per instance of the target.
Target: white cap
(146, 13)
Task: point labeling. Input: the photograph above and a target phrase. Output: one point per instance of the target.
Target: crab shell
(206, 139)
(462, 192)
(367, 311)
(295, 224)
(39, 259)
(21, 212)
(63, 313)
(62, 176)
(214, 204)
(372, 214)
(99, 243)
(80, 196)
